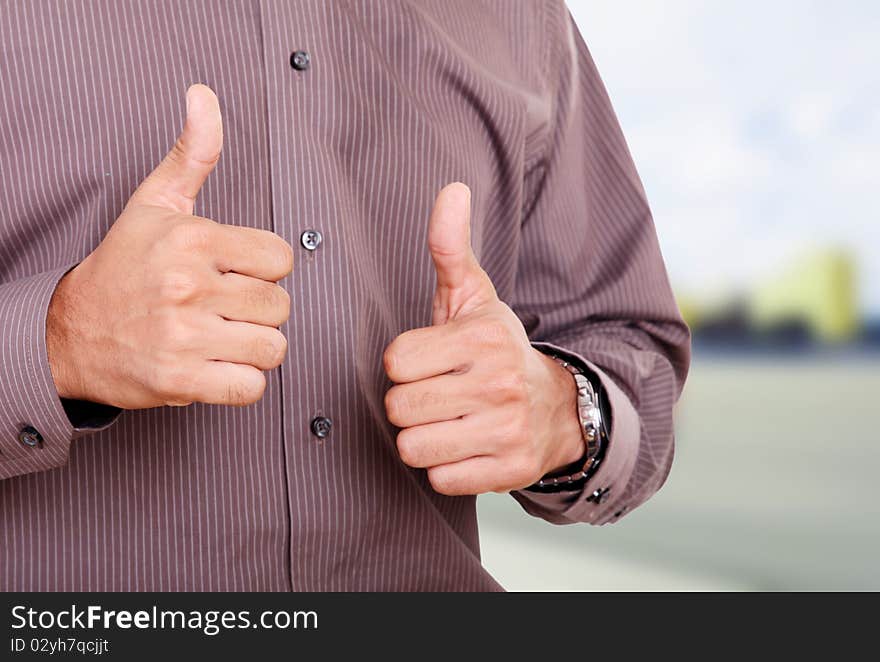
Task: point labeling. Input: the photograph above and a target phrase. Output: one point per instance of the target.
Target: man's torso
(399, 99)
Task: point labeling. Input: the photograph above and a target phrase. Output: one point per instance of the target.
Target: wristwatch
(595, 421)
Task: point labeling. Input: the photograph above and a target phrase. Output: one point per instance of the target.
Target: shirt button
(300, 60)
(599, 495)
(30, 437)
(311, 239)
(321, 426)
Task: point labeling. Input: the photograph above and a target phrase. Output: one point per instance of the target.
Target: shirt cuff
(600, 501)
(28, 397)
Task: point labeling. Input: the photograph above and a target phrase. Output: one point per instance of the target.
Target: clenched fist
(171, 308)
(479, 407)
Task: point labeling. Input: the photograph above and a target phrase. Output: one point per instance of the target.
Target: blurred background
(756, 129)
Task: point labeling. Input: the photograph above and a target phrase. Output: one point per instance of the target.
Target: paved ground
(793, 504)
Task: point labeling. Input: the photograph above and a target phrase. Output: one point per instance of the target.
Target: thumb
(462, 285)
(176, 181)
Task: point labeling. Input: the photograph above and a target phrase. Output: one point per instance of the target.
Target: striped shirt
(399, 98)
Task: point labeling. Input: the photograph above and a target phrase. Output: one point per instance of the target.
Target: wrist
(60, 344)
(567, 447)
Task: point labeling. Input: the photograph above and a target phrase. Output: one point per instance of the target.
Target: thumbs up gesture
(172, 308)
(478, 406)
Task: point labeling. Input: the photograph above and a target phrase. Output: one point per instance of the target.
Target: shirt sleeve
(28, 397)
(591, 284)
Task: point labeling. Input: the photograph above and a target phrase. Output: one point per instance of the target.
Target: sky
(755, 127)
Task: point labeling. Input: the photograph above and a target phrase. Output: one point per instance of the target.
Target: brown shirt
(400, 98)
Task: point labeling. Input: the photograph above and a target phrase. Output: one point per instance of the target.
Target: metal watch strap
(592, 431)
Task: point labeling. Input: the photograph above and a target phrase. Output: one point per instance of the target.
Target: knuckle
(284, 254)
(243, 391)
(281, 345)
(187, 157)
(442, 481)
(511, 435)
(281, 304)
(276, 252)
(406, 448)
(174, 335)
(391, 361)
(269, 349)
(426, 399)
(181, 156)
(182, 337)
(519, 426)
(178, 152)
(510, 384)
(395, 407)
(178, 286)
(258, 295)
(174, 385)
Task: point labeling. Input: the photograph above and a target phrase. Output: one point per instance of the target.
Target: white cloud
(755, 126)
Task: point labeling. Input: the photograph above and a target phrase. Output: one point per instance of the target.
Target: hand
(171, 308)
(479, 407)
